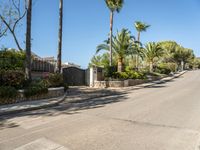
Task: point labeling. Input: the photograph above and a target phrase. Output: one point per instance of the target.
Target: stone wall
(132, 82)
(52, 93)
(100, 84)
(125, 83)
(116, 83)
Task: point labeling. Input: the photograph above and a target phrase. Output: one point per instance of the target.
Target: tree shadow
(82, 99)
(7, 124)
(68, 108)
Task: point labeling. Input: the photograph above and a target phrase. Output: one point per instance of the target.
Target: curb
(9, 112)
(173, 77)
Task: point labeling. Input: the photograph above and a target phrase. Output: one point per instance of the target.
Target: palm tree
(140, 27)
(100, 60)
(59, 55)
(113, 5)
(122, 46)
(152, 51)
(28, 41)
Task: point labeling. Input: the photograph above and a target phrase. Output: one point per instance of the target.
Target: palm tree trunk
(151, 67)
(136, 58)
(28, 42)
(59, 55)
(120, 65)
(138, 37)
(111, 33)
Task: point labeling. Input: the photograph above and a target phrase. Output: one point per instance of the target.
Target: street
(165, 116)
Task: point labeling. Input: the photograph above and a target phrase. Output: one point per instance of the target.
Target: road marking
(42, 144)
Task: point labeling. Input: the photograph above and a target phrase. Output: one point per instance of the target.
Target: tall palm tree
(152, 51)
(114, 6)
(59, 55)
(122, 46)
(28, 41)
(140, 27)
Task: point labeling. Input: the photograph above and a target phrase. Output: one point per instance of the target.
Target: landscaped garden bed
(15, 88)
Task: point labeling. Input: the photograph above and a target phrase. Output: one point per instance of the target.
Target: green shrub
(7, 92)
(12, 78)
(172, 67)
(35, 89)
(55, 80)
(132, 74)
(121, 75)
(163, 69)
(11, 59)
(110, 71)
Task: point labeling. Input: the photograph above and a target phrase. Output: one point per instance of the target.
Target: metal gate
(74, 76)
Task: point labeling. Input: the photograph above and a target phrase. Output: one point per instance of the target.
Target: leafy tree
(11, 14)
(152, 52)
(114, 6)
(169, 47)
(59, 55)
(122, 46)
(183, 55)
(176, 53)
(11, 59)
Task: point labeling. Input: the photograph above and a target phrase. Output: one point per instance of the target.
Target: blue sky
(86, 24)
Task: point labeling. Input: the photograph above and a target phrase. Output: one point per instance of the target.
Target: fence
(37, 65)
(42, 66)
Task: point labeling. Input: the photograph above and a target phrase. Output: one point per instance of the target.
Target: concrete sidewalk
(76, 94)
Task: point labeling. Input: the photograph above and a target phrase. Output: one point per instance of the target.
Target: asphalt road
(165, 116)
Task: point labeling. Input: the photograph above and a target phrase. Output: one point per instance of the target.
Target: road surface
(165, 116)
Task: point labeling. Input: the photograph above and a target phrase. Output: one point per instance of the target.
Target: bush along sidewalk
(15, 88)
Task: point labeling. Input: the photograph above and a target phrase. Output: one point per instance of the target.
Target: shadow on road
(78, 104)
(69, 108)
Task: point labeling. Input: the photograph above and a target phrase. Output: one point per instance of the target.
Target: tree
(182, 56)
(152, 51)
(140, 27)
(176, 53)
(100, 60)
(11, 13)
(3, 29)
(28, 41)
(122, 46)
(59, 55)
(114, 6)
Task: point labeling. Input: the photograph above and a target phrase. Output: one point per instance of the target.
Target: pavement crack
(153, 124)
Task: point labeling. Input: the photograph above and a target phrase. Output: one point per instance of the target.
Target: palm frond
(102, 47)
